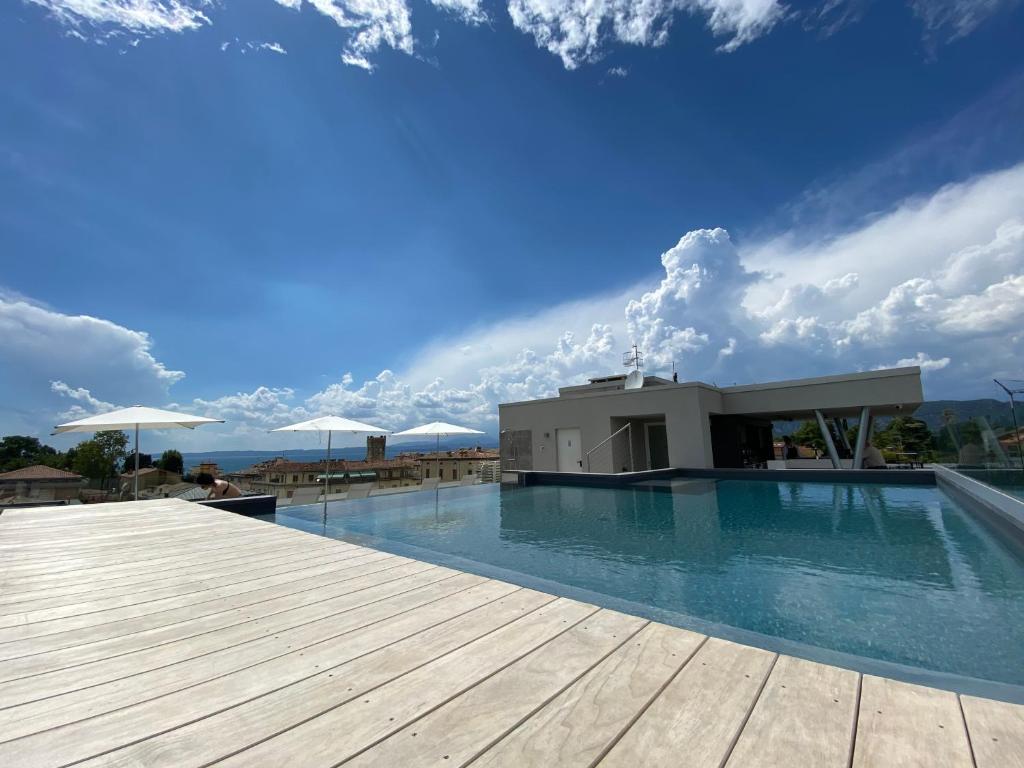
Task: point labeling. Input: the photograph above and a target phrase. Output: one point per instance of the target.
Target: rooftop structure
(606, 426)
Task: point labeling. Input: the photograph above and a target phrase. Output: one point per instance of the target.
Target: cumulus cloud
(577, 31)
(83, 403)
(921, 360)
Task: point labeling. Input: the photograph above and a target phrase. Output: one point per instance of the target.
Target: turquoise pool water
(897, 574)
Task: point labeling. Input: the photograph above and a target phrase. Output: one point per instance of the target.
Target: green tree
(17, 451)
(145, 460)
(172, 461)
(905, 434)
(91, 461)
(809, 434)
(114, 444)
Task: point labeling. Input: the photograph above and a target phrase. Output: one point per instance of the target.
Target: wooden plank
(469, 723)
(909, 725)
(286, 584)
(137, 636)
(342, 731)
(997, 732)
(236, 728)
(579, 725)
(370, 606)
(248, 571)
(696, 719)
(89, 738)
(221, 564)
(117, 561)
(804, 716)
(209, 597)
(61, 681)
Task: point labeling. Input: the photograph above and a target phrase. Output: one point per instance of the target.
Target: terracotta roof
(471, 454)
(39, 472)
(337, 465)
(146, 471)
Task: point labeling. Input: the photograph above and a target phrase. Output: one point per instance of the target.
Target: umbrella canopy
(137, 417)
(331, 424)
(438, 429)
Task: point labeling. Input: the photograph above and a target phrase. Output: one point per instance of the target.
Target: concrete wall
(683, 406)
(686, 408)
(835, 395)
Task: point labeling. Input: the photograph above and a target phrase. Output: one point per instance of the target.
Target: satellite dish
(634, 380)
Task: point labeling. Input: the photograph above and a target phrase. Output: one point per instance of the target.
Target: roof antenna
(675, 374)
(634, 359)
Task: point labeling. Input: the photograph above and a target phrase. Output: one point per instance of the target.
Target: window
(428, 472)
(312, 478)
(295, 478)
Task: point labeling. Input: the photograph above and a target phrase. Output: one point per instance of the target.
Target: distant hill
(996, 412)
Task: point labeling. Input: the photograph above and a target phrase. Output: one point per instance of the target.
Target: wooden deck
(168, 633)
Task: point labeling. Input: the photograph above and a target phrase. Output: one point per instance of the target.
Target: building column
(827, 435)
(863, 432)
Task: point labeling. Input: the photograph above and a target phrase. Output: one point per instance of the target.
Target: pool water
(898, 574)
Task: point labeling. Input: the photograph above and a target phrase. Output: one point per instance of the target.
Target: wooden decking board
(804, 716)
(369, 607)
(357, 593)
(263, 554)
(579, 725)
(209, 598)
(47, 610)
(696, 719)
(342, 732)
(997, 732)
(81, 641)
(170, 634)
(181, 553)
(325, 588)
(234, 729)
(909, 725)
(215, 686)
(465, 726)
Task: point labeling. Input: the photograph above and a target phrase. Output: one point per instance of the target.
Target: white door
(570, 453)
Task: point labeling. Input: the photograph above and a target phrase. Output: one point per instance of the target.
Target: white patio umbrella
(331, 424)
(137, 417)
(439, 429)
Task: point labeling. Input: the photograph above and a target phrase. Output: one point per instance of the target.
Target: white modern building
(608, 425)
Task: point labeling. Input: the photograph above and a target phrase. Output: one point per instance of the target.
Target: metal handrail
(612, 435)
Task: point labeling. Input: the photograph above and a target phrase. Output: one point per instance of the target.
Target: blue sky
(404, 210)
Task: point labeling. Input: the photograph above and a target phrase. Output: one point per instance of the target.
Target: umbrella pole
(327, 476)
(136, 462)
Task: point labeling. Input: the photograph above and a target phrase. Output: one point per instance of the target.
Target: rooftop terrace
(169, 633)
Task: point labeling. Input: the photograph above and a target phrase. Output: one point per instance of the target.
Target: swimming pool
(864, 576)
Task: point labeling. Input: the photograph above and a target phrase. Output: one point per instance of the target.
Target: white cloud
(921, 360)
(577, 30)
(618, 72)
(84, 403)
(137, 16)
(953, 19)
(273, 47)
